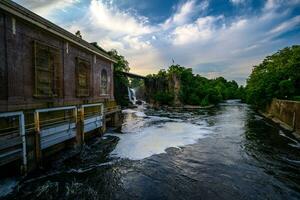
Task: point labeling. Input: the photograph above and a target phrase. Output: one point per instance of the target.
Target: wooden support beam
(38, 152)
(80, 127)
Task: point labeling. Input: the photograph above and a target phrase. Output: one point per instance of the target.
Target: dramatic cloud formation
(214, 38)
(46, 7)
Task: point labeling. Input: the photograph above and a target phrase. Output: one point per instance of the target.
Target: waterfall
(131, 95)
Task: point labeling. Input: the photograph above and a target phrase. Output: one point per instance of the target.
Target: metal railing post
(23, 135)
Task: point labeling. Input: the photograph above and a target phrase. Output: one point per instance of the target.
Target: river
(226, 152)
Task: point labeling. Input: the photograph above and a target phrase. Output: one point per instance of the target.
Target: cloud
(286, 26)
(115, 20)
(185, 12)
(201, 30)
(275, 4)
(46, 8)
(212, 44)
(237, 2)
(112, 28)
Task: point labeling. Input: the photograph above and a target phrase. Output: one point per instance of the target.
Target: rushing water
(227, 152)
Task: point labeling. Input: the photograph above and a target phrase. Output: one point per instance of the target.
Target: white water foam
(157, 138)
(127, 111)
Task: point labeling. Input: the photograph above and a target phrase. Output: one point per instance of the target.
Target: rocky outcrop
(167, 84)
(174, 87)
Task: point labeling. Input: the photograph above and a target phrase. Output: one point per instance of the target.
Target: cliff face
(174, 87)
(168, 85)
(287, 112)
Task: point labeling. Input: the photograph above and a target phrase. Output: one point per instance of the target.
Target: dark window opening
(82, 78)
(46, 65)
(104, 82)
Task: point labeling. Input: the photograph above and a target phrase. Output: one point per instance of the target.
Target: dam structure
(56, 89)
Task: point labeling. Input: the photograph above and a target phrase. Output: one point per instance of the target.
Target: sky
(213, 37)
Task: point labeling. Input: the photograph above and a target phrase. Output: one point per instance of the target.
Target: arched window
(104, 82)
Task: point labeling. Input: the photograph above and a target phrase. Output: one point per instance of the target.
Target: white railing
(21, 130)
(94, 120)
(50, 129)
(57, 131)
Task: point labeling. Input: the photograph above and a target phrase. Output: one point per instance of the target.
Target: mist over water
(226, 152)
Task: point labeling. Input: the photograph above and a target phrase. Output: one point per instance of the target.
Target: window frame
(107, 83)
(88, 66)
(56, 66)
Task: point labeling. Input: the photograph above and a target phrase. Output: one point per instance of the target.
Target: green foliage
(205, 101)
(295, 98)
(120, 81)
(278, 76)
(135, 82)
(194, 89)
(286, 88)
(122, 64)
(164, 98)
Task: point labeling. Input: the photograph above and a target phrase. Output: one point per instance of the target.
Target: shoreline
(280, 123)
(184, 107)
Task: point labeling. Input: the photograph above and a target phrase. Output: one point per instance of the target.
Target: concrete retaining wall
(287, 112)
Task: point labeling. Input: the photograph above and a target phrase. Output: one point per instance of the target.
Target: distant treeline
(278, 76)
(178, 85)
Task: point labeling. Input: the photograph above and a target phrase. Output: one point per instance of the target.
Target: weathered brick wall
(18, 56)
(287, 112)
(3, 75)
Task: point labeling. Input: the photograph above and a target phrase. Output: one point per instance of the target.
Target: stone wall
(287, 112)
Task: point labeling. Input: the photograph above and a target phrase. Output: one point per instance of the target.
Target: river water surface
(226, 152)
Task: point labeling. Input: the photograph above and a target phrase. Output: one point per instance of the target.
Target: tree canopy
(194, 89)
(278, 76)
(121, 82)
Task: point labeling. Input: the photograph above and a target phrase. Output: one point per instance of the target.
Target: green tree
(278, 76)
(286, 88)
(194, 89)
(121, 82)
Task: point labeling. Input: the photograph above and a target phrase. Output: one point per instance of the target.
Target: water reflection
(227, 152)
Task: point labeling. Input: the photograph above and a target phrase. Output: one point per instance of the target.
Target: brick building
(55, 87)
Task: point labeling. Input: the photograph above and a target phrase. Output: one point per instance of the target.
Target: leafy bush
(120, 81)
(286, 88)
(164, 98)
(205, 101)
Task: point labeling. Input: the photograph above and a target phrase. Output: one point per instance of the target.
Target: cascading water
(131, 95)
